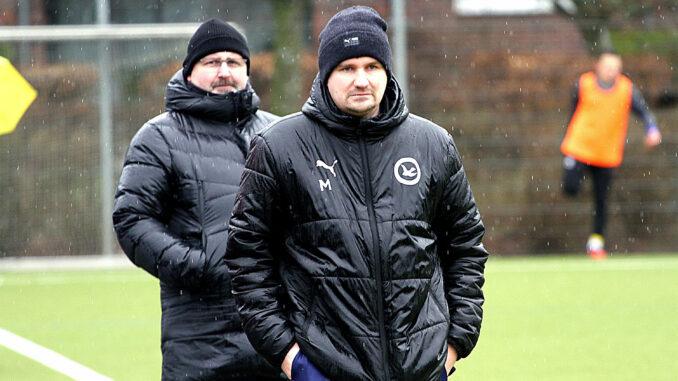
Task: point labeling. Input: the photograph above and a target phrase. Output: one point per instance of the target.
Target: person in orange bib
(594, 142)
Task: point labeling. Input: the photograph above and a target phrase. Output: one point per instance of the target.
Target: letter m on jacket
(325, 184)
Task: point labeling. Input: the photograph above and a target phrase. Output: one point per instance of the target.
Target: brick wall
(467, 61)
(8, 14)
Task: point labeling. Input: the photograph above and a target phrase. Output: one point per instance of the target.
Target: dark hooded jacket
(360, 240)
(172, 206)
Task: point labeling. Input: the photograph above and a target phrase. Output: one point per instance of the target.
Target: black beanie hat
(357, 31)
(214, 36)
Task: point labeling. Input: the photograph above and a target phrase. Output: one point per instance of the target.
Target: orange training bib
(597, 131)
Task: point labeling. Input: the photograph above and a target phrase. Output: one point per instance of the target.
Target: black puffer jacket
(172, 206)
(360, 240)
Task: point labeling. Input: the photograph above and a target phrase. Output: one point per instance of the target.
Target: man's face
(220, 72)
(608, 67)
(357, 86)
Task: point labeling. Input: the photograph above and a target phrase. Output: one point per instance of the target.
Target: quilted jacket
(172, 206)
(360, 240)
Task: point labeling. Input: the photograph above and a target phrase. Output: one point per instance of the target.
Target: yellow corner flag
(15, 96)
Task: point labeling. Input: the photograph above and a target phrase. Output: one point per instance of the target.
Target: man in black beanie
(355, 246)
(174, 199)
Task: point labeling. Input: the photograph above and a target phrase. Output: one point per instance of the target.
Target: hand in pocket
(304, 370)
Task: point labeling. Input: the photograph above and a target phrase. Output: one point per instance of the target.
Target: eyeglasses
(215, 63)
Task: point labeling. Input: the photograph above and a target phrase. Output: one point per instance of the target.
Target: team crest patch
(406, 171)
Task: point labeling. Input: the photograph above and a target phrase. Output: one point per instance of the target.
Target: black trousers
(574, 173)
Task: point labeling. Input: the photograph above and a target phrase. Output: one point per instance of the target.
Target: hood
(321, 108)
(185, 97)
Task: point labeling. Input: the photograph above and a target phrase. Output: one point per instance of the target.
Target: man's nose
(224, 70)
(361, 79)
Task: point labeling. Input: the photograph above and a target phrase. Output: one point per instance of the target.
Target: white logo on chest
(326, 184)
(406, 171)
(321, 164)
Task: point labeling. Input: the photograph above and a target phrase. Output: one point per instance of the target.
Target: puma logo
(320, 163)
(408, 172)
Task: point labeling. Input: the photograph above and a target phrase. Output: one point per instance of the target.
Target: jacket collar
(321, 107)
(182, 96)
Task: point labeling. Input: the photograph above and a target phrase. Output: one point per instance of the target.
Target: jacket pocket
(442, 306)
(201, 219)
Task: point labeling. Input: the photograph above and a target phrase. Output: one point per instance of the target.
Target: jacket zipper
(201, 204)
(377, 254)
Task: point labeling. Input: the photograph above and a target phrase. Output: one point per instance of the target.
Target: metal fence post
(399, 22)
(105, 134)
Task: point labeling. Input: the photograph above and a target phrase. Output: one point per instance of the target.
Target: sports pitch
(546, 318)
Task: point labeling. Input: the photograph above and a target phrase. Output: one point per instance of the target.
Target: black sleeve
(641, 109)
(143, 194)
(463, 256)
(252, 263)
(574, 99)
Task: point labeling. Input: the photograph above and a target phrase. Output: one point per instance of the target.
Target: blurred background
(498, 75)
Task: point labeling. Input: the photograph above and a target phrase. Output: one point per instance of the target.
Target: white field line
(610, 264)
(47, 279)
(67, 270)
(49, 358)
(80, 262)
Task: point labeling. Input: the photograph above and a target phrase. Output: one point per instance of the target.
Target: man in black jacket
(174, 199)
(355, 243)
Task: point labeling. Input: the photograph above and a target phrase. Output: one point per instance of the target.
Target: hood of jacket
(185, 97)
(321, 107)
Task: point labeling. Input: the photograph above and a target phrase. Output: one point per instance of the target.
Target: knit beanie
(357, 31)
(214, 36)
